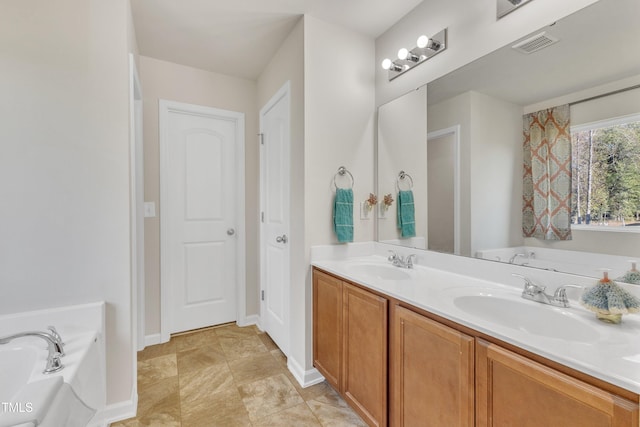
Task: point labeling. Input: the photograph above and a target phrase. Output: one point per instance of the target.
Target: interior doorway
(443, 190)
(202, 217)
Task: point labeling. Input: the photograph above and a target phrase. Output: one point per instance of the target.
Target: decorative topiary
(609, 301)
(632, 276)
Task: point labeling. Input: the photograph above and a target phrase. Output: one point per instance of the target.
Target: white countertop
(608, 352)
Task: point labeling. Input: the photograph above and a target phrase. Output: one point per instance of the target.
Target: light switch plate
(149, 209)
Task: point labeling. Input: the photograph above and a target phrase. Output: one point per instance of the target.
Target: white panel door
(274, 184)
(201, 217)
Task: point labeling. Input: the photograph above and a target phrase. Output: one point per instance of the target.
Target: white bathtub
(70, 397)
(573, 262)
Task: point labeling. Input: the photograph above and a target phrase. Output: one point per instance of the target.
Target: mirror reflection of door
(441, 211)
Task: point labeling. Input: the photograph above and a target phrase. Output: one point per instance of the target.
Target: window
(606, 173)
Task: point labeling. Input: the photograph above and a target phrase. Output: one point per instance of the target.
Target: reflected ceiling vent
(535, 43)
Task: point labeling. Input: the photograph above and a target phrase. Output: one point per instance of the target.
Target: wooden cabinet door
(327, 327)
(432, 373)
(364, 375)
(515, 391)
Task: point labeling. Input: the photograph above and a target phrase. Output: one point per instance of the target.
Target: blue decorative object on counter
(609, 301)
(343, 215)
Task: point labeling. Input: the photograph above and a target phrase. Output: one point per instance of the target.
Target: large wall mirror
(469, 199)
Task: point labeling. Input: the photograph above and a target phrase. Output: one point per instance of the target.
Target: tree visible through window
(606, 172)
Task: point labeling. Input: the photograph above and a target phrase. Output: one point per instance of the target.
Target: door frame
(136, 209)
(455, 132)
(165, 107)
(284, 91)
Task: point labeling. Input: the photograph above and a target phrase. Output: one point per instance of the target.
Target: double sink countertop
(570, 336)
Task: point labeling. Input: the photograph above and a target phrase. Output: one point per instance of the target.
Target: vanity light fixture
(387, 64)
(406, 55)
(426, 48)
(425, 42)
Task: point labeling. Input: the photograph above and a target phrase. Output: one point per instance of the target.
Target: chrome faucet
(55, 348)
(58, 339)
(400, 261)
(513, 258)
(537, 293)
(560, 295)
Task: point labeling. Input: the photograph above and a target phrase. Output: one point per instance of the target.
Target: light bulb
(403, 53)
(386, 63)
(422, 42)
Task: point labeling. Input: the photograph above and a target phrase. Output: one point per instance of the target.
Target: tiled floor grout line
(221, 376)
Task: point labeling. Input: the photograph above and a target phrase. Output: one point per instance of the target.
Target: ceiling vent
(535, 43)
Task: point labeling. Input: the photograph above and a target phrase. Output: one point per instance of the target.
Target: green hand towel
(406, 214)
(343, 215)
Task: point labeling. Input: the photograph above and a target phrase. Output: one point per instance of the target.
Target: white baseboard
(252, 319)
(118, 411)
(152, 339)
(304, 378)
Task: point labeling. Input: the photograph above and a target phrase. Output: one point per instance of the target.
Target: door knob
(282, 239)
(231, 231)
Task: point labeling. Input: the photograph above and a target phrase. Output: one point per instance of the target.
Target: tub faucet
(55, 335)
(513, 258)
(53, 359)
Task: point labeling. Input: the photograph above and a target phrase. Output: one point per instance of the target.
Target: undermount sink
(527, 316)
(378, 271)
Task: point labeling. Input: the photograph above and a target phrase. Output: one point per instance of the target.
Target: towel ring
(401, 177)
(342, 171)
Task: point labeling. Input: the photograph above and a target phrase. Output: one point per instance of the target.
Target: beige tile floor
(229, 376)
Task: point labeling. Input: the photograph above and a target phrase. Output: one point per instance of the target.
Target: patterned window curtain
(546, 209)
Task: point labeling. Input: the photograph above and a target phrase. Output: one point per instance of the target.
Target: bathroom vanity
(405, 347)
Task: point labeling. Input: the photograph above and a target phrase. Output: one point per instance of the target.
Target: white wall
(288, 65)
(490, 196)
(446, 114)
(613, 106)
(441, 167)
(402, 145)
(166, 80)
(473, 31)
(496, 173)
(339, 117)
(64, 165)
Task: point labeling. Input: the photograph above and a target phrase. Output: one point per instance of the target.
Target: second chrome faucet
(537, 293)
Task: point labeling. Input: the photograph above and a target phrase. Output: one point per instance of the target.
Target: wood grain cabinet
(513, 390)
(364, 358)
(327, 327)
(432, 373)
(439, 373)
(350, 344)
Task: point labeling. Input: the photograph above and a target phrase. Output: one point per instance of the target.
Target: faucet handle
(393, 256)
(58, 340)
(560, 295)
(529, 287)
(410, 259)
(55, 334)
